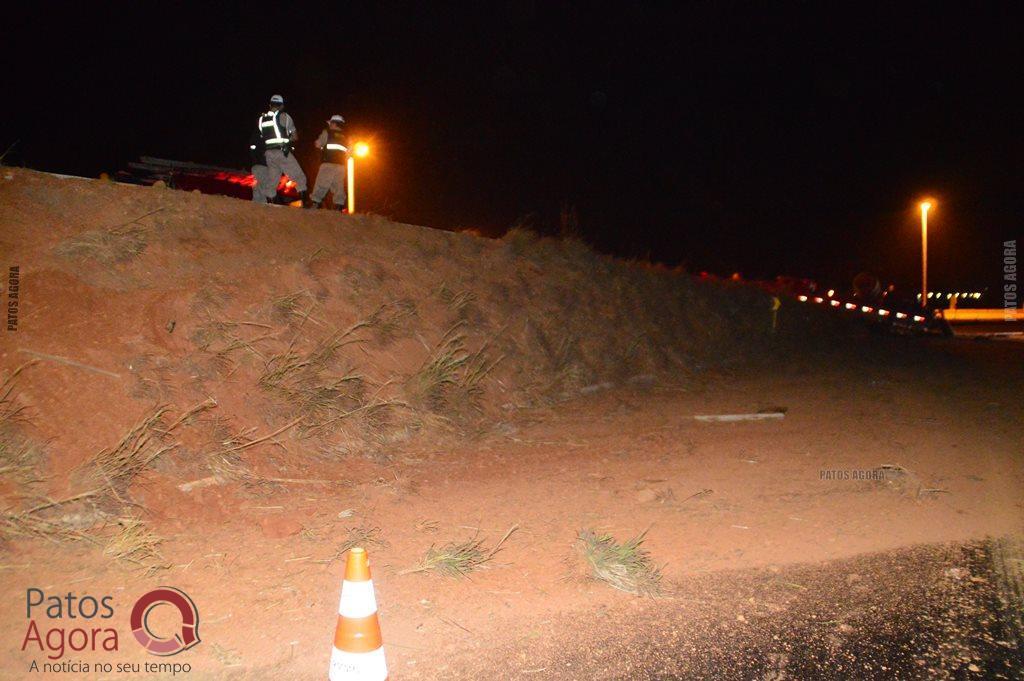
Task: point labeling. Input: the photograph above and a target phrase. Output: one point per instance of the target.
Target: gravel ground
(928, 612)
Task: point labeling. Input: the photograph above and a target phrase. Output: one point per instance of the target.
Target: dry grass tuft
(458, 302)
(229, 657)
(364, 536)
(114, 469)
(429, 386)
(229, 466)
(458, 559)
(324, 391)
(391, 320)
(625, 566)
(299, 376)
(11, 412)
(119, 465)
(137, 545)
(19, 458)
(451, 379)
(29, 524)
(106, 246)
(428, 526)
(295, 307)
(224, 339)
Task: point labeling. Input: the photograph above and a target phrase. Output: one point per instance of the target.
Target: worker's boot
(306, 203)
(341, 207)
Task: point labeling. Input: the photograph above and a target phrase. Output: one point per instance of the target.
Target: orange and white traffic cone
(358, 649)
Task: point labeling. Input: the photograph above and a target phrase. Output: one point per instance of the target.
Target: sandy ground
(723, 504)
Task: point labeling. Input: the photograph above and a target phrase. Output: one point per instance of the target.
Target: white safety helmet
(277, 99)
(337, 119)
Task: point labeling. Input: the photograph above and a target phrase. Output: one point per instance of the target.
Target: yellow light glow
(351, 185)
(926, 206)
(361, 149)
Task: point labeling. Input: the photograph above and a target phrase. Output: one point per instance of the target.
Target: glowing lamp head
(361, 149)
(926, 206)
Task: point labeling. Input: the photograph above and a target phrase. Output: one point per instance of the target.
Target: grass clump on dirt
(106, 246)
(29, 524)
(294, 306)
(458, 559)
(119, 465)
(112, 471)
(392, 320)
(308, 382)
(19, 458)
(19, 468)
(134, 543)
(451, 379)
(363, 536)
(626, 566)
(223, 339)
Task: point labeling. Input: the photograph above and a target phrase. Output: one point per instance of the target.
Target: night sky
(768, 138)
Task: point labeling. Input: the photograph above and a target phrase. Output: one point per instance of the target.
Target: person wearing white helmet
(333, 155)
(279, 134)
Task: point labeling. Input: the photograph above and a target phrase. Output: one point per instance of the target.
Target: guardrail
(864, 310)
(984, 315)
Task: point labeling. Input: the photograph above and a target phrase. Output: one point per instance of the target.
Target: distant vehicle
(794, 286)
(189, 176)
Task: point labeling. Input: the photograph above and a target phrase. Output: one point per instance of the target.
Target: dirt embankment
(223, 397)
(356, 334)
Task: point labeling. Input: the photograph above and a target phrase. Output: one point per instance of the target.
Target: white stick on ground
(724, 418)
(68, 362)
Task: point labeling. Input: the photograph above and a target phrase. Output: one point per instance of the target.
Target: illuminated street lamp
(925, 207)
(360, 149)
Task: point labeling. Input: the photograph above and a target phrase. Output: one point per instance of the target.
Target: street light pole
(351, 177)
(360, 149)
(925, 207)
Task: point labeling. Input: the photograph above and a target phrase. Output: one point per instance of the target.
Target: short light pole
(925, 207)
(360, 149)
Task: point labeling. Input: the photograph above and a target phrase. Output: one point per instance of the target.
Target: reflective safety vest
(334, 150)
(274, 137)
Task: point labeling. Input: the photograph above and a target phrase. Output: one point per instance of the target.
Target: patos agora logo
(183, 639)
(61, 625)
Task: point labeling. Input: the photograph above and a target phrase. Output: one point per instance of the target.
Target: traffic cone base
(363, 666)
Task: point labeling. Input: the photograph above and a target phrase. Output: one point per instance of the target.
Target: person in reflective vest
(264, 189)
(333, 155)
(279, 134)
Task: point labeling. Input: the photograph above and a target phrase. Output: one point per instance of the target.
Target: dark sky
(762, 137)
